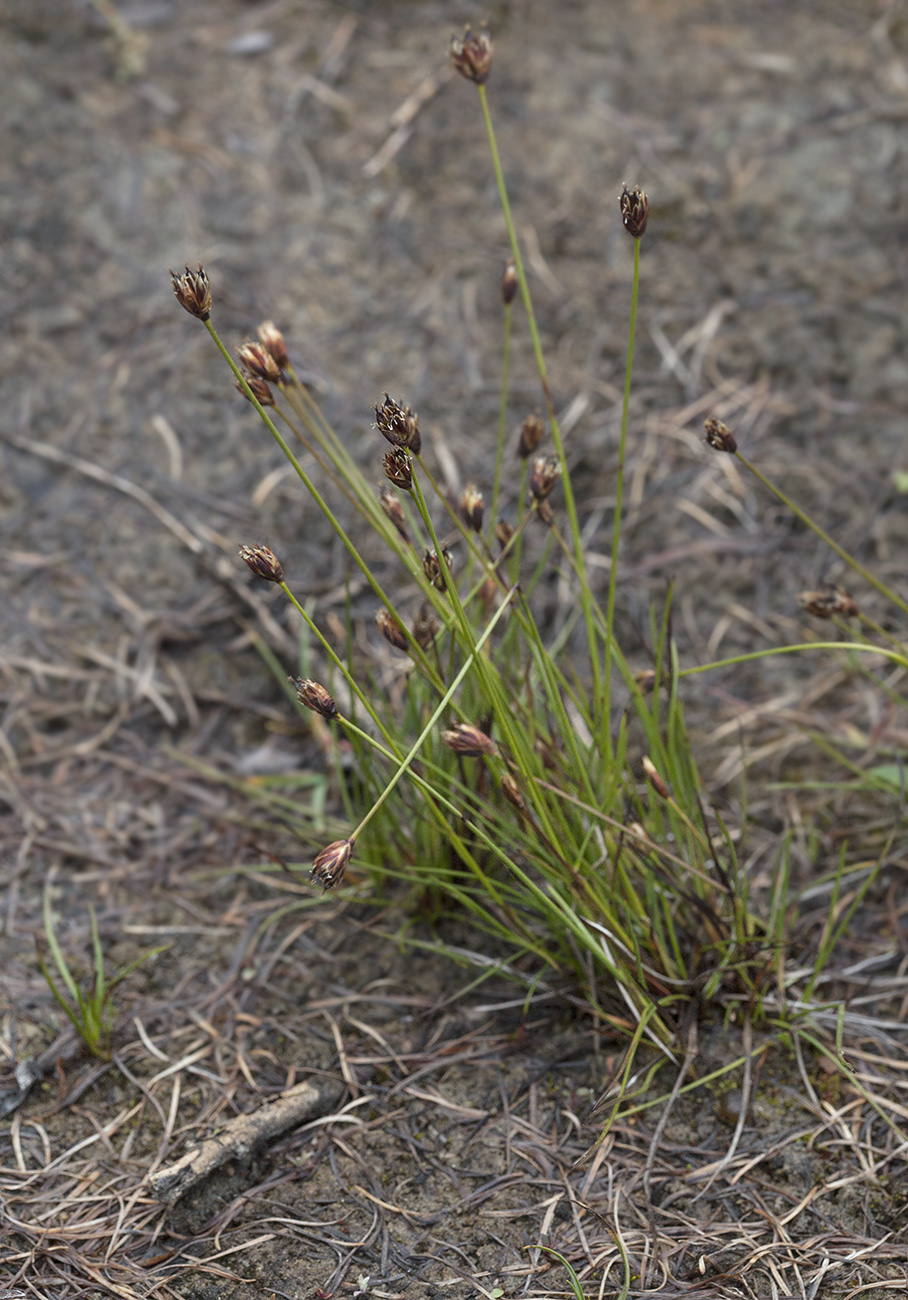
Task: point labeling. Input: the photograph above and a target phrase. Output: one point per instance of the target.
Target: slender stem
(619, 497)
(502, 419)
(795, 649)
(570, 504)
(436, 714)
(824, 536)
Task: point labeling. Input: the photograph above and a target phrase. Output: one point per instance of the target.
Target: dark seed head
(719, 436)
(256, 358)
(398, 468)
(263, 562)
(832, 602)
(654, 778)
(259, 389)
(393, 509)
(399, 424)
(634, 210)
(472, 57)
(544, 475)
(274, 342)
(509, 282)
(329, 867)
(312, 695)
(532, 431)
(434, 571)
(193, 291)
(392, 630)
(471, 508)
(468, 740)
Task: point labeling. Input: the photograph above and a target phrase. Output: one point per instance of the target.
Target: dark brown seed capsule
(532, 431)
(544, 475)
(392, 630)
(274, 342)
(719, 436)
(312, 695)
(434, 570)
(654, 778)
(259, 389)
(257, 358)
(471, 505)
(263, 562)
(468, 740)
(509, 282)
(472, 56)
(634, 207)
(329, 867)
(399, 468)
(399, 424)
(193, 291)
(829, 603)
(394, 510)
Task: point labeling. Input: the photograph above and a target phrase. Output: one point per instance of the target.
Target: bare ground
(323, 165)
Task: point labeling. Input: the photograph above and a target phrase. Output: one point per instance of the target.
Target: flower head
(329, 867)
(193, 291)
(263, 562)
(472, 56)
(634, 210)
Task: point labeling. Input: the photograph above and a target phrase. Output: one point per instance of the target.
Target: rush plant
(520, 768)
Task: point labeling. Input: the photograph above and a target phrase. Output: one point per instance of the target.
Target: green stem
(438, 711)
(794, 649)
(502, 420)
(824, 536)
(586, 598)
(619, 497)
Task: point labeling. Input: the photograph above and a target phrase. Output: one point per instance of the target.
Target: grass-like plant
(92, 1014)
(521, 769)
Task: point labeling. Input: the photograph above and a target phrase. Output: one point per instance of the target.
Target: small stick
(241, 1134)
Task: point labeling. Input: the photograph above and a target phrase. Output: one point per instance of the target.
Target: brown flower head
(469, 741)
(509, 282)
(425, 628)
(719, 436)
(257, 359)
(263, 562)
(434, 570)
(634, 207)
(472, 57)
(193, 291)
(312, 695)
(545, 513)
(274, 342)
(399, 468)
(471, 507)
(392, 630)
(532, 431)
(545, 474)
(832, 602)
(393, 509)
(655, 780)
(399, 424)
(259, 389)
(329, 867)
